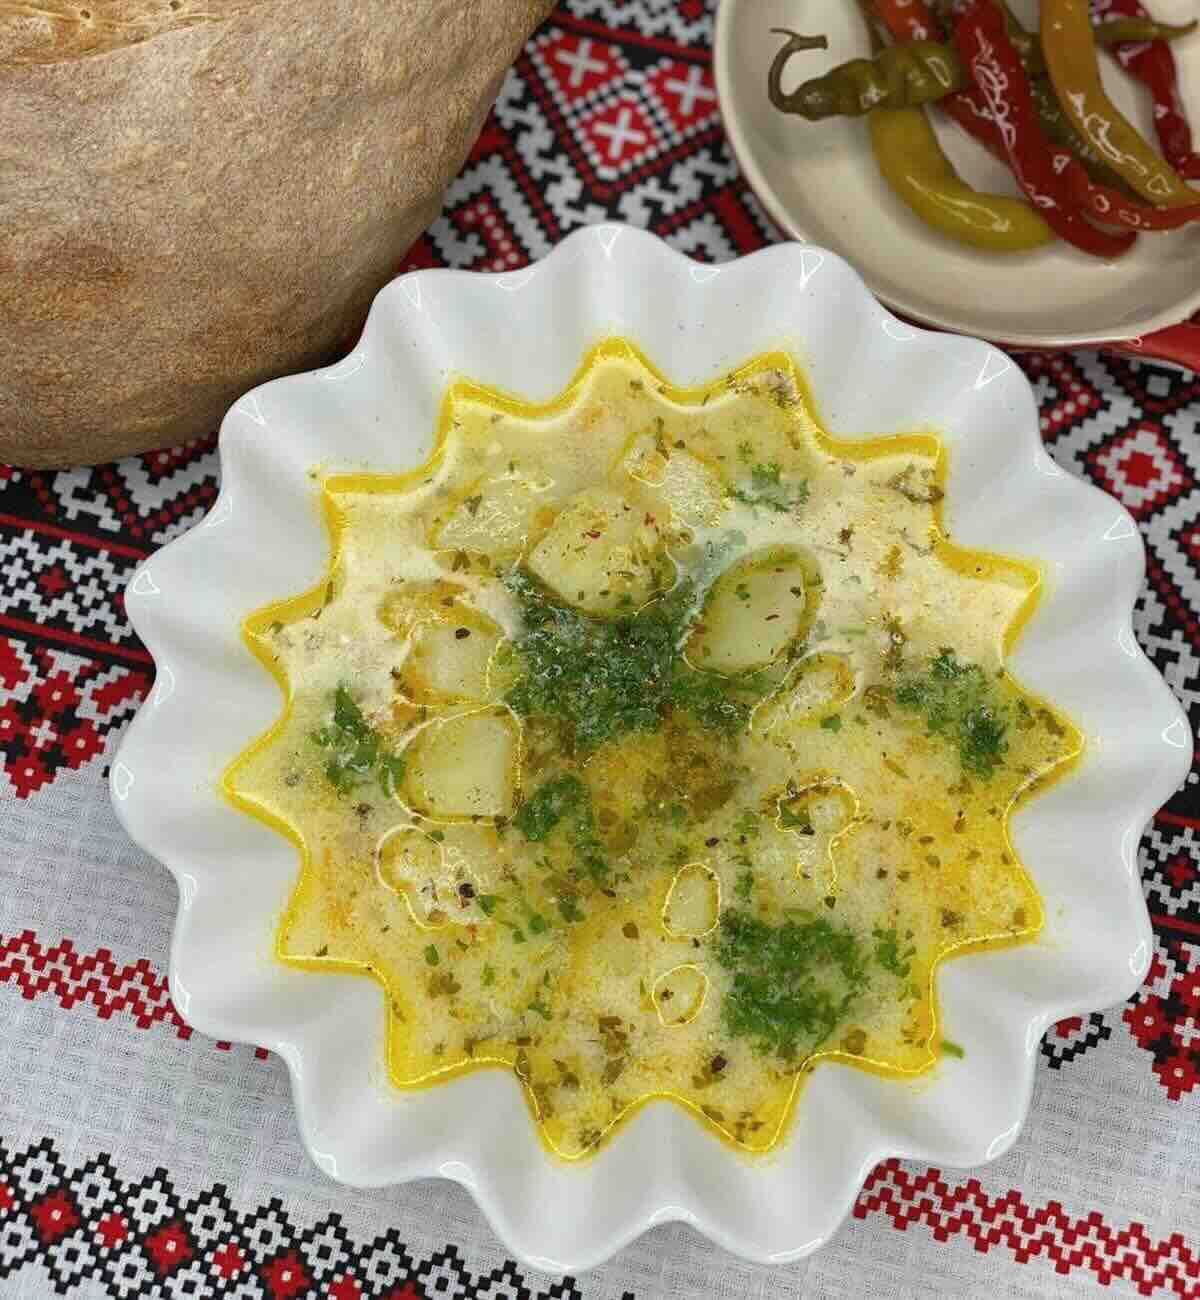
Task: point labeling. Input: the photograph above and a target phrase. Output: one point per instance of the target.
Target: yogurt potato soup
(652, 743)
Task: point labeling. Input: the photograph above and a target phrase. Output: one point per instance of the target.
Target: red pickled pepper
(1117, 209)
(913, 20)
(1153, 64)
(909, 20)
(981, 38)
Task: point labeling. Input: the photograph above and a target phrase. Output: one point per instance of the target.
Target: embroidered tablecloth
(138, 1158)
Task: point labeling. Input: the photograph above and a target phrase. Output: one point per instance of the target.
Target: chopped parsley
(356, 751)
(768, 488)
(487, 976)
(564, 798)
(746, 824)
(608, 677)
(720, 704)
(604, 678)
(792, 984)
(888, 954)
(569, 909)
(744, 885)
(955, 700)
(831, 723)
(553, 801)
(951, 1048)
(538, 1006)
(431, 955)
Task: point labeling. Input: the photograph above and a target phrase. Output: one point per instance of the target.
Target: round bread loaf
(199, 195)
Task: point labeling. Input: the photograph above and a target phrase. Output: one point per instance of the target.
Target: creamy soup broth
(652, 744)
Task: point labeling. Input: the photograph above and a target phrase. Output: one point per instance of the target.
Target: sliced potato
(437, 871)
(821, 808)
(498, 517)
(756, 609)
(659, 477)
(693, 903)
(409, 863)
(601, 554)
(817, 815)
(678, 994)
(449, 660)
(694, 490)
(465, 766)
(815, 690)
(410, 604)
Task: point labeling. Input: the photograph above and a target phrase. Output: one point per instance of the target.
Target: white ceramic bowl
(819, 182)
(526, 332)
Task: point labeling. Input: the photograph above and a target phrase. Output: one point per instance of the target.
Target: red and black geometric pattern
(97, 981)
(1164, 1017)
(87, 1227)
(1072, 1037)
(59, 709)
(1087, 1246)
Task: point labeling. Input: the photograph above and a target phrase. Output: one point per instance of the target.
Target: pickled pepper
(1070, 52)
(1152, 62)
(981, 39)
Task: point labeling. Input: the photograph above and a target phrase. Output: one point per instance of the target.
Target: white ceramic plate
(820, 183)
(526, 332)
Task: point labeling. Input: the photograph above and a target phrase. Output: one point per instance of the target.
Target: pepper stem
(795, 43)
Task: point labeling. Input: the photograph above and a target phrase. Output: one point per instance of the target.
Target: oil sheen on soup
(652, 743)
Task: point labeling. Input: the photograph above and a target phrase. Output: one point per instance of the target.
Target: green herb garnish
(604, 678)
(541, 1008)
(951, 1048)
(744, 886)
(431, 955)
(793, 984)
(356, 749)
(832, 723)
(720, 704)
(955, 700)
(609, 677)
(556, 799)
(487, 976)
(888, 954)
(746, 824)
(569, 909)
(768, 488)
(565, 799)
